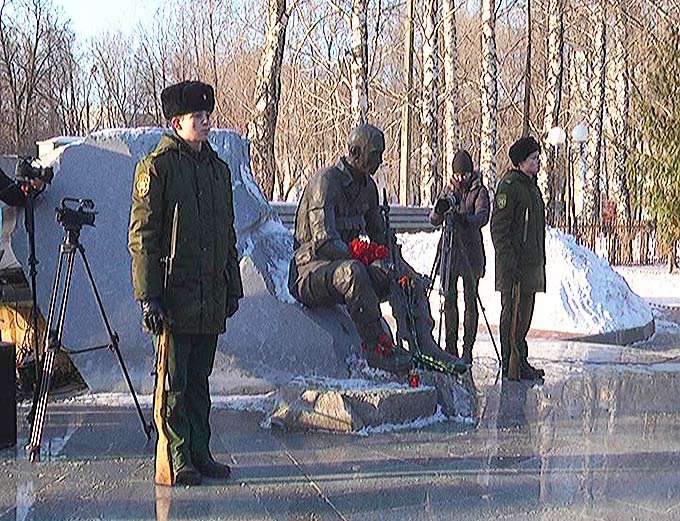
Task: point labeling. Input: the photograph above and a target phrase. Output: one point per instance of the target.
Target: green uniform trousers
(187, 412)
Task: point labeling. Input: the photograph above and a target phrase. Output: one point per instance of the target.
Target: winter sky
(90, 17)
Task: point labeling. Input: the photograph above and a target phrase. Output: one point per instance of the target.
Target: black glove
(152, 316)
(232, 306)
(442, 206)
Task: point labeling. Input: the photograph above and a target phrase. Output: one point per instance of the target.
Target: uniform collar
(178, 143)
(521, 176)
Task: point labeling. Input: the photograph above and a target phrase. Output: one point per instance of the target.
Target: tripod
(53, 337)
(29, 223)
(443, 262)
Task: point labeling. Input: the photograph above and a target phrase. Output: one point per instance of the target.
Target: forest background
(436, 75)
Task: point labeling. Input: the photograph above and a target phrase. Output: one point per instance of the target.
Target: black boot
(528, 372)
(187, 475)
(213, 469)
(452, 350)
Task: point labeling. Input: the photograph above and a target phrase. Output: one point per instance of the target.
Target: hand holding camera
(446, 204)
(32, 179)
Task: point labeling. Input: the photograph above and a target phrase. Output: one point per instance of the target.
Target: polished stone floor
(600, 439)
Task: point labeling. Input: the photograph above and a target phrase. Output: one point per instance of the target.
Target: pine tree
(660, 108)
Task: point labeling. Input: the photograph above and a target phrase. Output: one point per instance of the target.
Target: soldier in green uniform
(206, 283)
(339, 204)
(518, 234)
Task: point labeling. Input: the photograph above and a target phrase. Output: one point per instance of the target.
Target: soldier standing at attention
(518, 234)
(205, 286)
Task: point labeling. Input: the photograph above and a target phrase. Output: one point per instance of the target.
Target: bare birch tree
(526, 112)
(595, 117)
(451, 95)
(262, 130)
(553, 99)
(406, 174)
(489, 92)
(359, 65)
(28, 37)
(430, 180)
(620, 118)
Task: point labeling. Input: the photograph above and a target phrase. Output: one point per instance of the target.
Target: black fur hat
(186, 97)
(523, 148)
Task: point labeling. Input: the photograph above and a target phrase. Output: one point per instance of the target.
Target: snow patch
(249, 403)
(418, 423)
(584, 295)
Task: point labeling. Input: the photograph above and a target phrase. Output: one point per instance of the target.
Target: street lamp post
(579, 135)
(556, 137)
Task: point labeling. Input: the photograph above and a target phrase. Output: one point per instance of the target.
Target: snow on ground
(584, 296)
(418, 423)
(653, 283)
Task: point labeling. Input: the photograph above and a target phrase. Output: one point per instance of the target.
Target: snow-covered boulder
(269, 338)
(584, 295)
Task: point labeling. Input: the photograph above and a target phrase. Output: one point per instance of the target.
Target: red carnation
(359, 250)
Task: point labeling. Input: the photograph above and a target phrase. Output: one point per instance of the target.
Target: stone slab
(351, 410)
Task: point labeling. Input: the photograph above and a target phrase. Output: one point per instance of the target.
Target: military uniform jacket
(337, 206)
(206, 270)
(519, 197)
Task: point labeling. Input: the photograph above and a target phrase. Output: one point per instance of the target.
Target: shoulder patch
(143, 183)
(501, 201)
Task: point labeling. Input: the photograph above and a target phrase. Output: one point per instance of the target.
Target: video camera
(73, 218)
(445, 204)
(26, 171)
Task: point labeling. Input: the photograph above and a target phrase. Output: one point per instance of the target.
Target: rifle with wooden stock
(165, 474)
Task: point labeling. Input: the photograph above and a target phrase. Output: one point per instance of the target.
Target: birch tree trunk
(429, 151)
(620, 121)
(553, 94)
(359, 66)
(592, 188)
(489, 88)
(407, 194)
(262, 129)
(452, 101)
(526, 113)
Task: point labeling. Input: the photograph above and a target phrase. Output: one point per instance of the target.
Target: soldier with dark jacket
(205, 286)
(469, 214)
(340, 204)
(518, 234)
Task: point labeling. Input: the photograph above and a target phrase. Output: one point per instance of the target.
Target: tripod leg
(48, 327)
(148, 428)
(29, 223)
(52, 344)
(435, 264)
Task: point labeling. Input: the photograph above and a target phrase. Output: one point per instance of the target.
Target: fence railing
(620, 244)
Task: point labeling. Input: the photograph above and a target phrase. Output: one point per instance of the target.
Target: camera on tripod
(73, 214)
(445, 204)
(26, 171)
